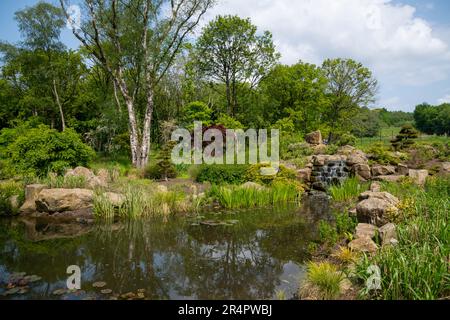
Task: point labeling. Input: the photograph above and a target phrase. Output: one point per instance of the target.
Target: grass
(417, 268)
(345, 255)
(323, 281)
(69, 182)
(233, 197)
(350, 189)
(9, 189)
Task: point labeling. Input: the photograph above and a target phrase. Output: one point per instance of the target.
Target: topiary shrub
(221, 174)
(164, 168)
(405, 138)
(40, 150)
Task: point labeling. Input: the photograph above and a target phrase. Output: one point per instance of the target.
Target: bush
(221, 174)
(7, 190)
(229, 122)
(346, 139)
(40, 150)
(164, 168)
(196, 111)
(323, 280)
(254, 174)
(382, 156)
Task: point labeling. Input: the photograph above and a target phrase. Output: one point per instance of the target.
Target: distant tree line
(433, 119)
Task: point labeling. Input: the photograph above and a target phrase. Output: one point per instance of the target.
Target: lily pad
(106, 291)
(59, 292)
(12, 291)
(33, 278)
(99, 284)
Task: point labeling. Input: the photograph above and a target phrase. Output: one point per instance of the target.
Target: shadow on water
(249, 254)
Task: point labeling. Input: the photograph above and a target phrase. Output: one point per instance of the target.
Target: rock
(160, 188)
(362, 170)
(319, 186)
(419, 176)
(383, 170)
(31, 193)
(346, 150)
(402, 169)
(99, 284)
(103, 175)
(393, 178)
(304, 174)
(116, 199)
(352, 212)
(60, 200)
(356, 157)
(388, 233)
(319, 149)
(14, 202)
(319, 160)
(363, 245)
(96, 182)
(375, 187)
(386, 196)
(365, 230)
(373, 210)
(446, 167)
(252, 185)
(80, 172)
(314, 138)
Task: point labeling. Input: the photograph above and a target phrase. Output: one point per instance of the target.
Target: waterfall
(331, 173)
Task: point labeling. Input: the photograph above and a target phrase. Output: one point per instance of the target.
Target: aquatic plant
(10, 192)
(350, 189)
(103, 207)
(232, 197)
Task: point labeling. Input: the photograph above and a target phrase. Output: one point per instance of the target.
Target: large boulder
(374, 206)
(31, 194)
(365, 230)
(92, 181)
(356, 157)
(314, 138)
(362, 170)
(304, 175)
(116, 199)
(60, 200)
(363, 244)
(382, 170)
(393, 178)
(418, 176)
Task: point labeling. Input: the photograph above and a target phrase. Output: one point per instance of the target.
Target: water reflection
(179, 259)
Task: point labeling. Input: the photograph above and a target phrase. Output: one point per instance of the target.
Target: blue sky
(405, 42)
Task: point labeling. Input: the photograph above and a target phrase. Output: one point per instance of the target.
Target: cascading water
(331, 173)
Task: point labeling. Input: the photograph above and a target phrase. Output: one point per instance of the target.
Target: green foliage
(40, 150)
(345, 223)
(350, 189)
(405, 139)
(296, 150)
(395, 118)
(70, 182)
(229, 122)
(8, 190)
(196, 111)
(326, 278)
(433, 119)
(221, 174)
(327, 233)
(255, 174)
(346, 139)
(417, 268)
(366, 123)
(380, 154)
(233, 197)
(164, 168)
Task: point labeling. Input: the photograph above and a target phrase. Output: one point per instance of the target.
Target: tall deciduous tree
(231, 52)
(136, 42)
(350, 86)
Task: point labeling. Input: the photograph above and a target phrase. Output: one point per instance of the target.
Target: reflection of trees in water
(175, 259)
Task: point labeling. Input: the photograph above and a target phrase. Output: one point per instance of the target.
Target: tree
(350, 85)
(136, 42)
(405, 138)
(366, 123)
(229, 51)
(433, 119)
(297, 92)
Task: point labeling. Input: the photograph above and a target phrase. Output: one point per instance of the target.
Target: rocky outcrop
(60, 200)
(314, 138)
(374, 207)
(382, 170)
(393, 178)
(419, 176)
(92, 181)
(31, 194)
(365, 230)
(362, 171)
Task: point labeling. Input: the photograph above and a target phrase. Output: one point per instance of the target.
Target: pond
(249, 254)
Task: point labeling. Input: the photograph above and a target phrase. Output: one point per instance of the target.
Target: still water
(251, 254)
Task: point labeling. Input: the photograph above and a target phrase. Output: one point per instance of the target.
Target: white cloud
(401, 48)
(444, 99)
